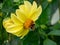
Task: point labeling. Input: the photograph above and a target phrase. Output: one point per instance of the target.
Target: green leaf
(32, 38)
(54, 32)
(49, 42)
(7, 5)
(56, 26)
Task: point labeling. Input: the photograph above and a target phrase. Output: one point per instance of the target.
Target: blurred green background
(47, 30)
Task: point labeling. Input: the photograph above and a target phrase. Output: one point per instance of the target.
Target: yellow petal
(7, 22)
(22, 17)
(19, 32)
(27, 7)
(27, 3)
(11, 27)
(15, 19)
(22, 7)
(14, 29)
(35, 4)
(33, 8)
(36, 14)
(24, 33)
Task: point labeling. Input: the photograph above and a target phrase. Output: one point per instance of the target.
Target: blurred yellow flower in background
(20, 23)
(49, 1)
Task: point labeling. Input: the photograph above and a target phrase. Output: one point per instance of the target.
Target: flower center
(28, 23)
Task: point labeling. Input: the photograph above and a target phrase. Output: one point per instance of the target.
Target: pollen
(28, 23)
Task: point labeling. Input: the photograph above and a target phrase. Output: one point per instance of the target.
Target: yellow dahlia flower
(20, 22)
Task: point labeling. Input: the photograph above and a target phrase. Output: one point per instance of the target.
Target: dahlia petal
(36, 14)
(33, 8)
(14, 28)
(34, 5)
(7, 22)
(22, 7)
(18, 33)
(27, 7)
(22, 17)
(15, 19)
(24, 33)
